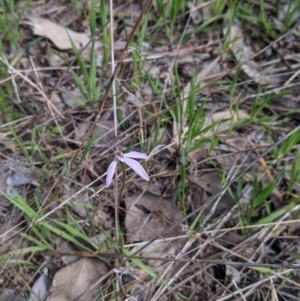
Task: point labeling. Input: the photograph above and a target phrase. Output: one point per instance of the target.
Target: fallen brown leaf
(76, 279)
(56, 33)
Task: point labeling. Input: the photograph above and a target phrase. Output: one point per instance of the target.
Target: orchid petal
(136, 155)
(137, 167)
(110, 172)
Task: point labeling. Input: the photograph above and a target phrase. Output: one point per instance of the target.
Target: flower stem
(116, 209)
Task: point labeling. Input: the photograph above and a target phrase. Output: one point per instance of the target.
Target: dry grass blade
(49, 103)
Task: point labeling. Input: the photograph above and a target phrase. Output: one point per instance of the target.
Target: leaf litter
(149, 216)
(233, 139)
(60, 36)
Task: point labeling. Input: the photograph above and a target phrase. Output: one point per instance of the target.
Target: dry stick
(112, 53)
(282, 59)
(114, 75)
(109, 256)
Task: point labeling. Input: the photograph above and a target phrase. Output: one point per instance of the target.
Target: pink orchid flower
(127, 159)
